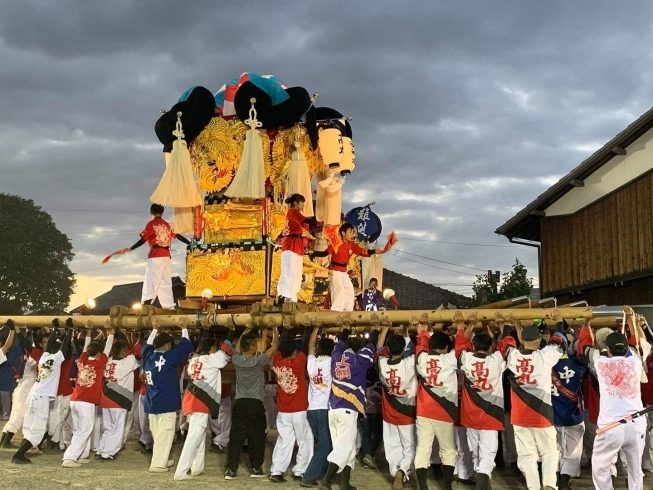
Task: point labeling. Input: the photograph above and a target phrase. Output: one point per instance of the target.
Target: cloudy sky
(463, 111)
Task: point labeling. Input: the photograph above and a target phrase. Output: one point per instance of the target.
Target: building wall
(637, 292)
(607, 241)
(616, 173)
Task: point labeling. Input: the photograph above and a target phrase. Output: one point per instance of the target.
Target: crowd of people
(455, 401)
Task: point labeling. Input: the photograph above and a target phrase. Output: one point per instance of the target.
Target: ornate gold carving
(227, 272)
(232, 222)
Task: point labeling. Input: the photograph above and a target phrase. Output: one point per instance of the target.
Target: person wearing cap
(162, 397)
(531, 408)
(248, 412)
(350, 361)
(568, 412)
(618, 374)
(481, 404)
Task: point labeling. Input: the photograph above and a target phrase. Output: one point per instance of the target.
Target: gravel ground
(129, 472)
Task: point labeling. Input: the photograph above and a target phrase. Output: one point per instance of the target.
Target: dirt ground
(129, 472)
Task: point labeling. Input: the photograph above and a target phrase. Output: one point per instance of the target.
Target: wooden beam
(292, 318)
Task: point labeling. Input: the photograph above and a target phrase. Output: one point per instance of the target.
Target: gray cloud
(463, 111)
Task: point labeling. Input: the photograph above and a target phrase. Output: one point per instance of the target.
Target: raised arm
(313, 340)
(275, 343)
(53, 336)
(109, 344)
(384, 333)
(305, 340)
(10, 338)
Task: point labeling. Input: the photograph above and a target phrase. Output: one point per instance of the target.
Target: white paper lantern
(330, 145)
(348, 162)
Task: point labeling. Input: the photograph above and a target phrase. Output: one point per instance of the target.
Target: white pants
(83, 414)
(113, 428)
(509, 449)
(158, 282)
(628, 438)
(399, 444)
(343, 425)
(483, 445)
(163, 432)
(292, 427)
(192, 455)
(533, 444)
(131, 419)
(18, 405)
(435, 452)
(427, 431)
(96, 435)
(570, 448)
(290, 279)
(341, 290)
(144, 420)
(222, 425)
(35, 424)
(59, 413)
(464, 464)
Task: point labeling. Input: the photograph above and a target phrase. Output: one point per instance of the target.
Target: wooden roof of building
(525, 225)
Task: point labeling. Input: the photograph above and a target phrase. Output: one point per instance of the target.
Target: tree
(484, 291)
(513, 284)
(34, 258)
(516, 282)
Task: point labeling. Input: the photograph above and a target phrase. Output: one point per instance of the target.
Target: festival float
(230, 159)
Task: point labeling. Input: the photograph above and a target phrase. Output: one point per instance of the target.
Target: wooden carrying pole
(290, 317)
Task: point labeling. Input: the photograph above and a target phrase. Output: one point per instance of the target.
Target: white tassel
(372, 268)
(329, 198)
(249, 181)
(183, 221)
(299, 181)
(177, 187)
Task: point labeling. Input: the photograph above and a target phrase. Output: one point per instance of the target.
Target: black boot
(6, 441)
(19, 457)
(422, 474)
(482, 481)
(344, 483)
(147, 302)
(331, 472)
(563, 483)
(447, 471)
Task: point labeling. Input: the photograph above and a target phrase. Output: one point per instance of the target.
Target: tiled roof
(411, 294)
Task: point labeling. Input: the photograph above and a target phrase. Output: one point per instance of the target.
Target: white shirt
(47, 381)
(121, 372)
(619, 386)
(29, 371)
(319, 387)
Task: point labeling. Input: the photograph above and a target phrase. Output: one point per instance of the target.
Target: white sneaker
(171, 463)
(67, 463)
(83, 460)
(159, 470)
(196, 473)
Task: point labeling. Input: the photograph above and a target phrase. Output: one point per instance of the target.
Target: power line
(460, 243)
(441, 261)
(427, 265)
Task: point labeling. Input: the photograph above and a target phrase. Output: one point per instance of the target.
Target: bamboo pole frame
(290, 316)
